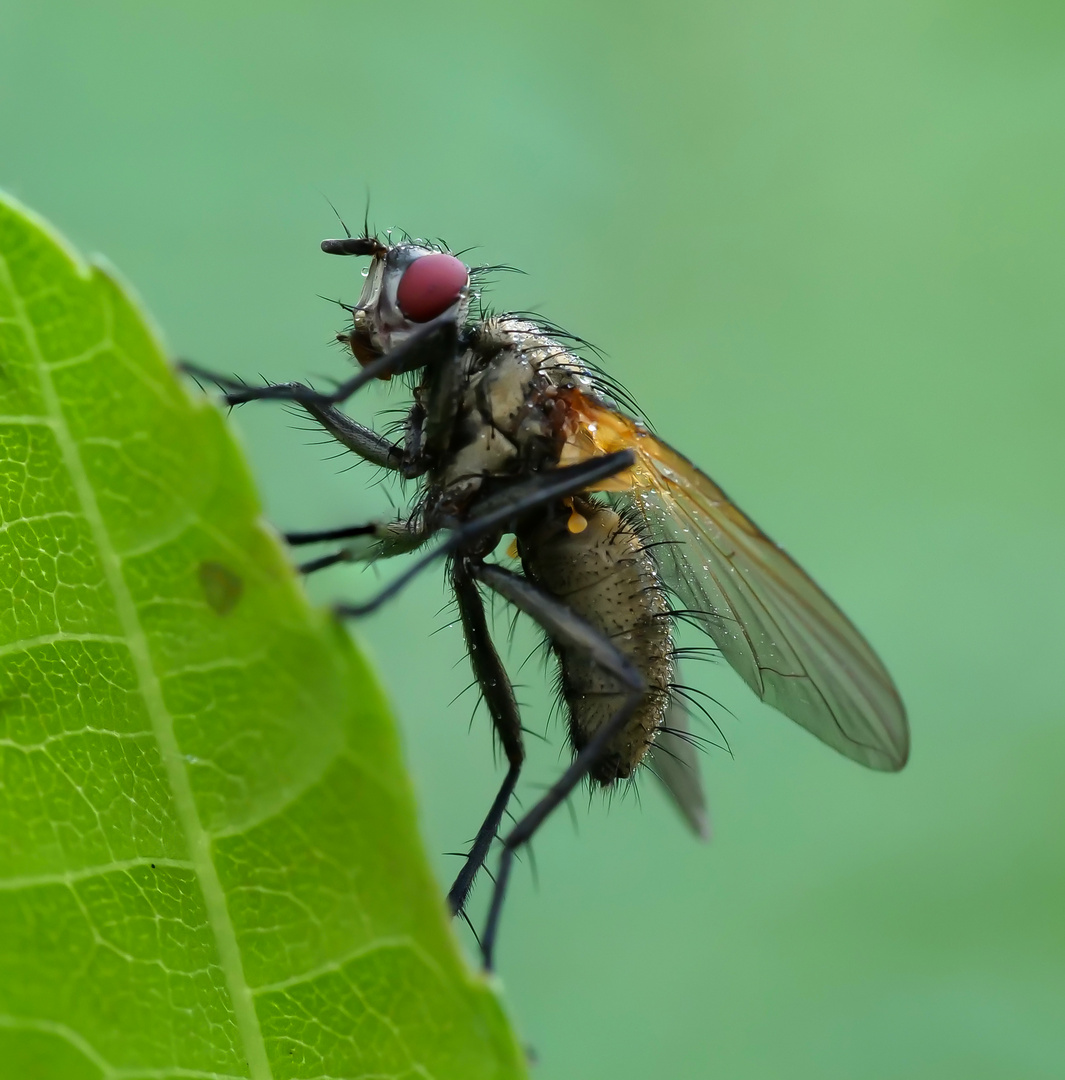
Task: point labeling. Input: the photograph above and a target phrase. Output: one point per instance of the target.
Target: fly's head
(408, 285)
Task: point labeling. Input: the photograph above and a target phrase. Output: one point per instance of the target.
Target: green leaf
(208, 858)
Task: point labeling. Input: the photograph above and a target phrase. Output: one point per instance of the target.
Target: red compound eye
(430, 285)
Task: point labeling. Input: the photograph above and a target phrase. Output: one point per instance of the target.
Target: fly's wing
(788, 641)
(674, 761)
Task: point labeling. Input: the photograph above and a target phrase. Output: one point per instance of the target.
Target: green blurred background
(823, 244)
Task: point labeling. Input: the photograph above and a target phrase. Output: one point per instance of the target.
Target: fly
(511, 431)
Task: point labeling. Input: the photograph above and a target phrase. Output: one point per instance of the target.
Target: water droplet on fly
(365, 271)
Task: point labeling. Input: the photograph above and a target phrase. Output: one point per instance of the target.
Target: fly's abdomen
(605, 575)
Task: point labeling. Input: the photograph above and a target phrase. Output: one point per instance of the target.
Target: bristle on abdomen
(589, 556)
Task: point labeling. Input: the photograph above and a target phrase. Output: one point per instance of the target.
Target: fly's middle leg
(375, 540)
(498, 694)
(499, 511)
(562, 625)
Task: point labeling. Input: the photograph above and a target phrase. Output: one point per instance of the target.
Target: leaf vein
(199, 841)
(336, 966)
(26, 644)
(72, 877)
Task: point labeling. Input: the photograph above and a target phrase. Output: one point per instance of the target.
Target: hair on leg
(562, 625)
(498, 694)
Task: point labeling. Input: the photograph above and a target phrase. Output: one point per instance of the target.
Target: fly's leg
(345, 533)
(322, 562)
(445, 387)
(494, 513)
(376, 449)
(362, 440)
(432, 344)
(563, 626)
(498, 694)
(359, 438)
(376, 540)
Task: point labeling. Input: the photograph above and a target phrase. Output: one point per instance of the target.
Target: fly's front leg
(432, 344)
(498, 694)
(444, 396)
(408, 460)
(360, 439)
(563, 626)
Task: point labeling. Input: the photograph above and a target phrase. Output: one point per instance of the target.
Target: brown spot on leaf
(221, 586)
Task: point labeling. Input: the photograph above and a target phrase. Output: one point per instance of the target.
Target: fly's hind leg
(498, 694)
(563, 626)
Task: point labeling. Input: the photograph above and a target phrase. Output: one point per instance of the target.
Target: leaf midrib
(196, 836)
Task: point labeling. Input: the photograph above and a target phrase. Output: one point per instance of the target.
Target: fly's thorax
(560, 366)
(589, 556)
(511, 417)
